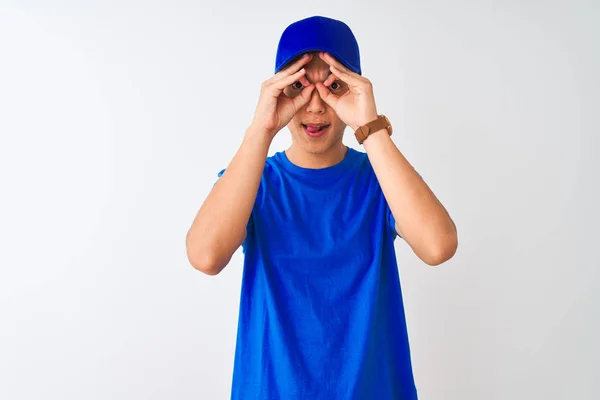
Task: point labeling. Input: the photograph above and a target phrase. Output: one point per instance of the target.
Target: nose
(316, 105)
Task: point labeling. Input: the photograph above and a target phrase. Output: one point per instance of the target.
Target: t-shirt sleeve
(391, 221)
(249, 226)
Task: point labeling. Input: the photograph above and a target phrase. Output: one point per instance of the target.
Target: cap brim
(293, 57)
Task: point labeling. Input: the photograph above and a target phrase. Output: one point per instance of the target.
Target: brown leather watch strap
(363, 132)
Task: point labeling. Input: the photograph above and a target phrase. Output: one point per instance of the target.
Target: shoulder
(272, 164)
(361, 162)
(360, 157)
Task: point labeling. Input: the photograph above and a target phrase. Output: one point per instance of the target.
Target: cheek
(294, 125)
(337, 120)
(296, 120)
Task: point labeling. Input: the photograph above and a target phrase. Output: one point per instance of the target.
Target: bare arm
(220, 225)
(420, 217)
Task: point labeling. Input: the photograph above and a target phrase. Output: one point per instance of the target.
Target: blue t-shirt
(321, 312)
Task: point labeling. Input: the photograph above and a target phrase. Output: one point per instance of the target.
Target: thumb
(304, 97)
(329, 98)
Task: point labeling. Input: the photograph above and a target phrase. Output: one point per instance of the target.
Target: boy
(321, 311)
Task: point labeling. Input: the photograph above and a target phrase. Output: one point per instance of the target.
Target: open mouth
(315, 130)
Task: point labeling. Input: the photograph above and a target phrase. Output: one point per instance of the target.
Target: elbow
(205, 264)
(442, 252)
(435, 260)
(203, 260)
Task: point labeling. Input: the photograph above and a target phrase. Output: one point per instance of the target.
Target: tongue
(313, 129)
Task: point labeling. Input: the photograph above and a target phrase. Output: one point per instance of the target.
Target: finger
(328, 97)
(293, 67)
(335, 64)
(332, 61)
(349, 78)
(285, 82)
(303, 98)
(304, 81)
(330, 79)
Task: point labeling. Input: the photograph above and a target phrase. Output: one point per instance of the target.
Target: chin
(316, 149)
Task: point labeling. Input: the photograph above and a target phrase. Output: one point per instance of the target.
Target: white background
(115, 119)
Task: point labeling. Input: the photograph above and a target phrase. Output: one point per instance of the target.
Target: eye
(335, 86)
(297, 85)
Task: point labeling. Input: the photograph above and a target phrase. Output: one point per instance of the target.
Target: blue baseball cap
(318, 34)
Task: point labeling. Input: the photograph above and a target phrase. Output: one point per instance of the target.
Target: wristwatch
(382, 122)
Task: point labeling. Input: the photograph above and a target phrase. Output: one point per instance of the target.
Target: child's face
(316, 112)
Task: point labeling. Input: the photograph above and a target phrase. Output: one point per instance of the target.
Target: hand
(275, 110)
(356, 106)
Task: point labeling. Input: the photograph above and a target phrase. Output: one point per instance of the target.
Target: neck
(332, 156)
